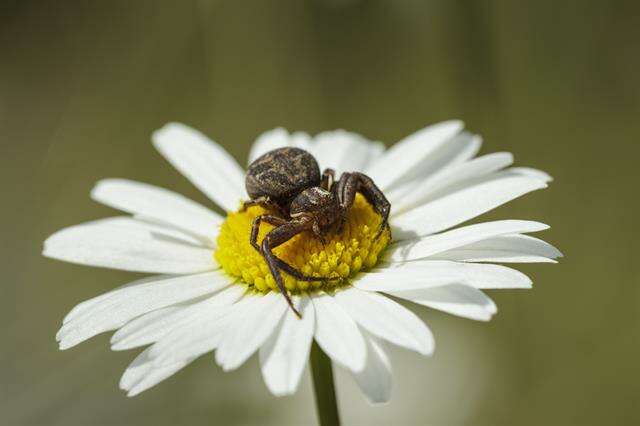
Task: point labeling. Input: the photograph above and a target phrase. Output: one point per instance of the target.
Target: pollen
(342, 255)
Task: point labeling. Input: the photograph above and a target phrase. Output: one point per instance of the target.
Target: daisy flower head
(213, 290)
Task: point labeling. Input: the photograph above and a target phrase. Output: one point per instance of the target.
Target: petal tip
(166, 133)
(63, 345)
(279, 393)
(118, 346)
(378, 402)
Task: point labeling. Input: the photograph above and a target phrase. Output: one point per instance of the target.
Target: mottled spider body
(281, 175)
(287, 181)
(317, 202)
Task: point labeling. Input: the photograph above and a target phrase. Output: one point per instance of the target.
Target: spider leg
(359, 182)
(266, 203)
(272, 240)
(255, 227)
(328, 178)
(338, 191)
(277, 221)
(346, 189)
(260, 201)
(318, 233)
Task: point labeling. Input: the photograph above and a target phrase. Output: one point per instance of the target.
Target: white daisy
(212, 291)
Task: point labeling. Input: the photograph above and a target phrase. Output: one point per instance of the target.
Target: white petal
(470, 170)
(434, 273)
(344, 151)
(432, 244)
(386, 319)
(158, 204)
(127, 303)
(457, 299)
(504, 249)
(284, 355)
(155, 376)
(375, 380)
(280, 138)
(337, 334)
(87, 305)
(128, 244)
(530, 172)
(153, 326)
(142, 330)
(423, 191)
(462, 204)
(165, 231)
(302, 140)
(136, 370)
(456, 150)
(250, 329)
(197, 334)
(206, 164)
(401, 158)
(141, 374)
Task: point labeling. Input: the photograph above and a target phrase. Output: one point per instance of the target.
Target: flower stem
(324, 389)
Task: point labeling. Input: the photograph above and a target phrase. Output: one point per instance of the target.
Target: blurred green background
(83, 85)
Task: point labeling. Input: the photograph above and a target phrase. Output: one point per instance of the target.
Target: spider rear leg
(328, 179)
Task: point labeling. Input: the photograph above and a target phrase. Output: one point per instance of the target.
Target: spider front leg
(317, 231)
(273, 239)
(277, 221)
(263, 202)
(351, 183)
(255, 227)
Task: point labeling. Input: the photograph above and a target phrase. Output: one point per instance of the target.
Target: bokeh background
(83, 85)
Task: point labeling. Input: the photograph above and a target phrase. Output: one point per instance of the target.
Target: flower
(212, 291)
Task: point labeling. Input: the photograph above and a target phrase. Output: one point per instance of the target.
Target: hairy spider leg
(273, 239)
(255, 227)
(328, 179)
(265, 202)
(318, 233)
(346, 189)
(277, 221)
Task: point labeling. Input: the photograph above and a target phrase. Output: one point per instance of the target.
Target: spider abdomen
(282, 174)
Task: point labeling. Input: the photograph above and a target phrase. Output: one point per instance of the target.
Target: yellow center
(344, 254)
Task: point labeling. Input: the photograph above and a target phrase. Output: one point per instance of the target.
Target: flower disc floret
(343, 254)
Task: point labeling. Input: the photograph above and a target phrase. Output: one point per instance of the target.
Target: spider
(287, 182)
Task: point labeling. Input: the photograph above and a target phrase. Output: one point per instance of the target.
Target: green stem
(324, 389)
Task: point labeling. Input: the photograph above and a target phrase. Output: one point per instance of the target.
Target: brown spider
(287, 182)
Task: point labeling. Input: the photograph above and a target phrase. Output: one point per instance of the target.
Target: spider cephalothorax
(287, 182)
